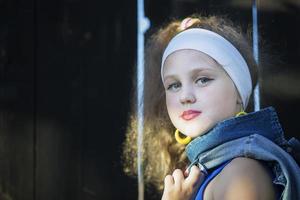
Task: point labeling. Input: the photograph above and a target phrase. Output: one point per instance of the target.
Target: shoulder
(243, 178)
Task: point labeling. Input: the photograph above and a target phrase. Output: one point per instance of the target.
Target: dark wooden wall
(65, 77)
(65, 69)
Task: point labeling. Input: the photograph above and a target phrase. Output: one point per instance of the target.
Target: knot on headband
(187, 22)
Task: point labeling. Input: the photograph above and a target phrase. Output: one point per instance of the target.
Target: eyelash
(173, 84)
(206, 79)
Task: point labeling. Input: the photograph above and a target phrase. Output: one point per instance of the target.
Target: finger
(178, 176)
(169, 180)
(186, 172)
(195, 176)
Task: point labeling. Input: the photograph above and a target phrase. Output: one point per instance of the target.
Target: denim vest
(257, 135)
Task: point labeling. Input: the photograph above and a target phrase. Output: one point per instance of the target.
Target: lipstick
(190, 114)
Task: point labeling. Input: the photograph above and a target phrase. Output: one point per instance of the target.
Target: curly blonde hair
(161, 153)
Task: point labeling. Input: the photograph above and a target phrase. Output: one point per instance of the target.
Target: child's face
(199, 93)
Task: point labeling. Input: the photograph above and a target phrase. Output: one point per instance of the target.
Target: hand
(182, 186)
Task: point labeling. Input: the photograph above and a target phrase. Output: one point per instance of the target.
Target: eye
(203, 81)
(174, 86)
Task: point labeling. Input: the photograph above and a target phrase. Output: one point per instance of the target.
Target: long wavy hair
(161, 153)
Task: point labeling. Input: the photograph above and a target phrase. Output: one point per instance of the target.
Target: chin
(195, 129)
(196, 132)
(204, 130)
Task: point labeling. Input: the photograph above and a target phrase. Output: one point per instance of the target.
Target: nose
(187, 97)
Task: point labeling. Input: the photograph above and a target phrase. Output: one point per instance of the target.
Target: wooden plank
(59, 109)
(17, 100)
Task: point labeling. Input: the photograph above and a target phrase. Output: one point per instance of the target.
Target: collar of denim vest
(264, 122)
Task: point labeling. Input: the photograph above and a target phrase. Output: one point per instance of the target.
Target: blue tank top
(208, 179)
(213, 174)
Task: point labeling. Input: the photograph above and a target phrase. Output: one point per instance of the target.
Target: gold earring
(181, 140)
(242, 112)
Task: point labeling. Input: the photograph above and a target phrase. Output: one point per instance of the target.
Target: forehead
(189, 60)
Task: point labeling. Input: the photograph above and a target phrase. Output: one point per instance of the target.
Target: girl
(198, 140)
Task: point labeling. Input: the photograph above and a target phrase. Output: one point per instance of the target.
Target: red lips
(190, 114)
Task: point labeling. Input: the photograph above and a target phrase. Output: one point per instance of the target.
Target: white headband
(219, 49)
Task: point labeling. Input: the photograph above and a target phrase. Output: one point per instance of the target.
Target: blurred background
(66, 72)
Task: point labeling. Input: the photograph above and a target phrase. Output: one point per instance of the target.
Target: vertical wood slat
(17, 99)
(58, 105)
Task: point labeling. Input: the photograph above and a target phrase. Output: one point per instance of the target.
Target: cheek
(230, 93)
(171, 103)
(228, 101)
(221, 97)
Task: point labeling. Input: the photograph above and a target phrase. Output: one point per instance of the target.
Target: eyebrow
(199, 70)
(194, 71)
